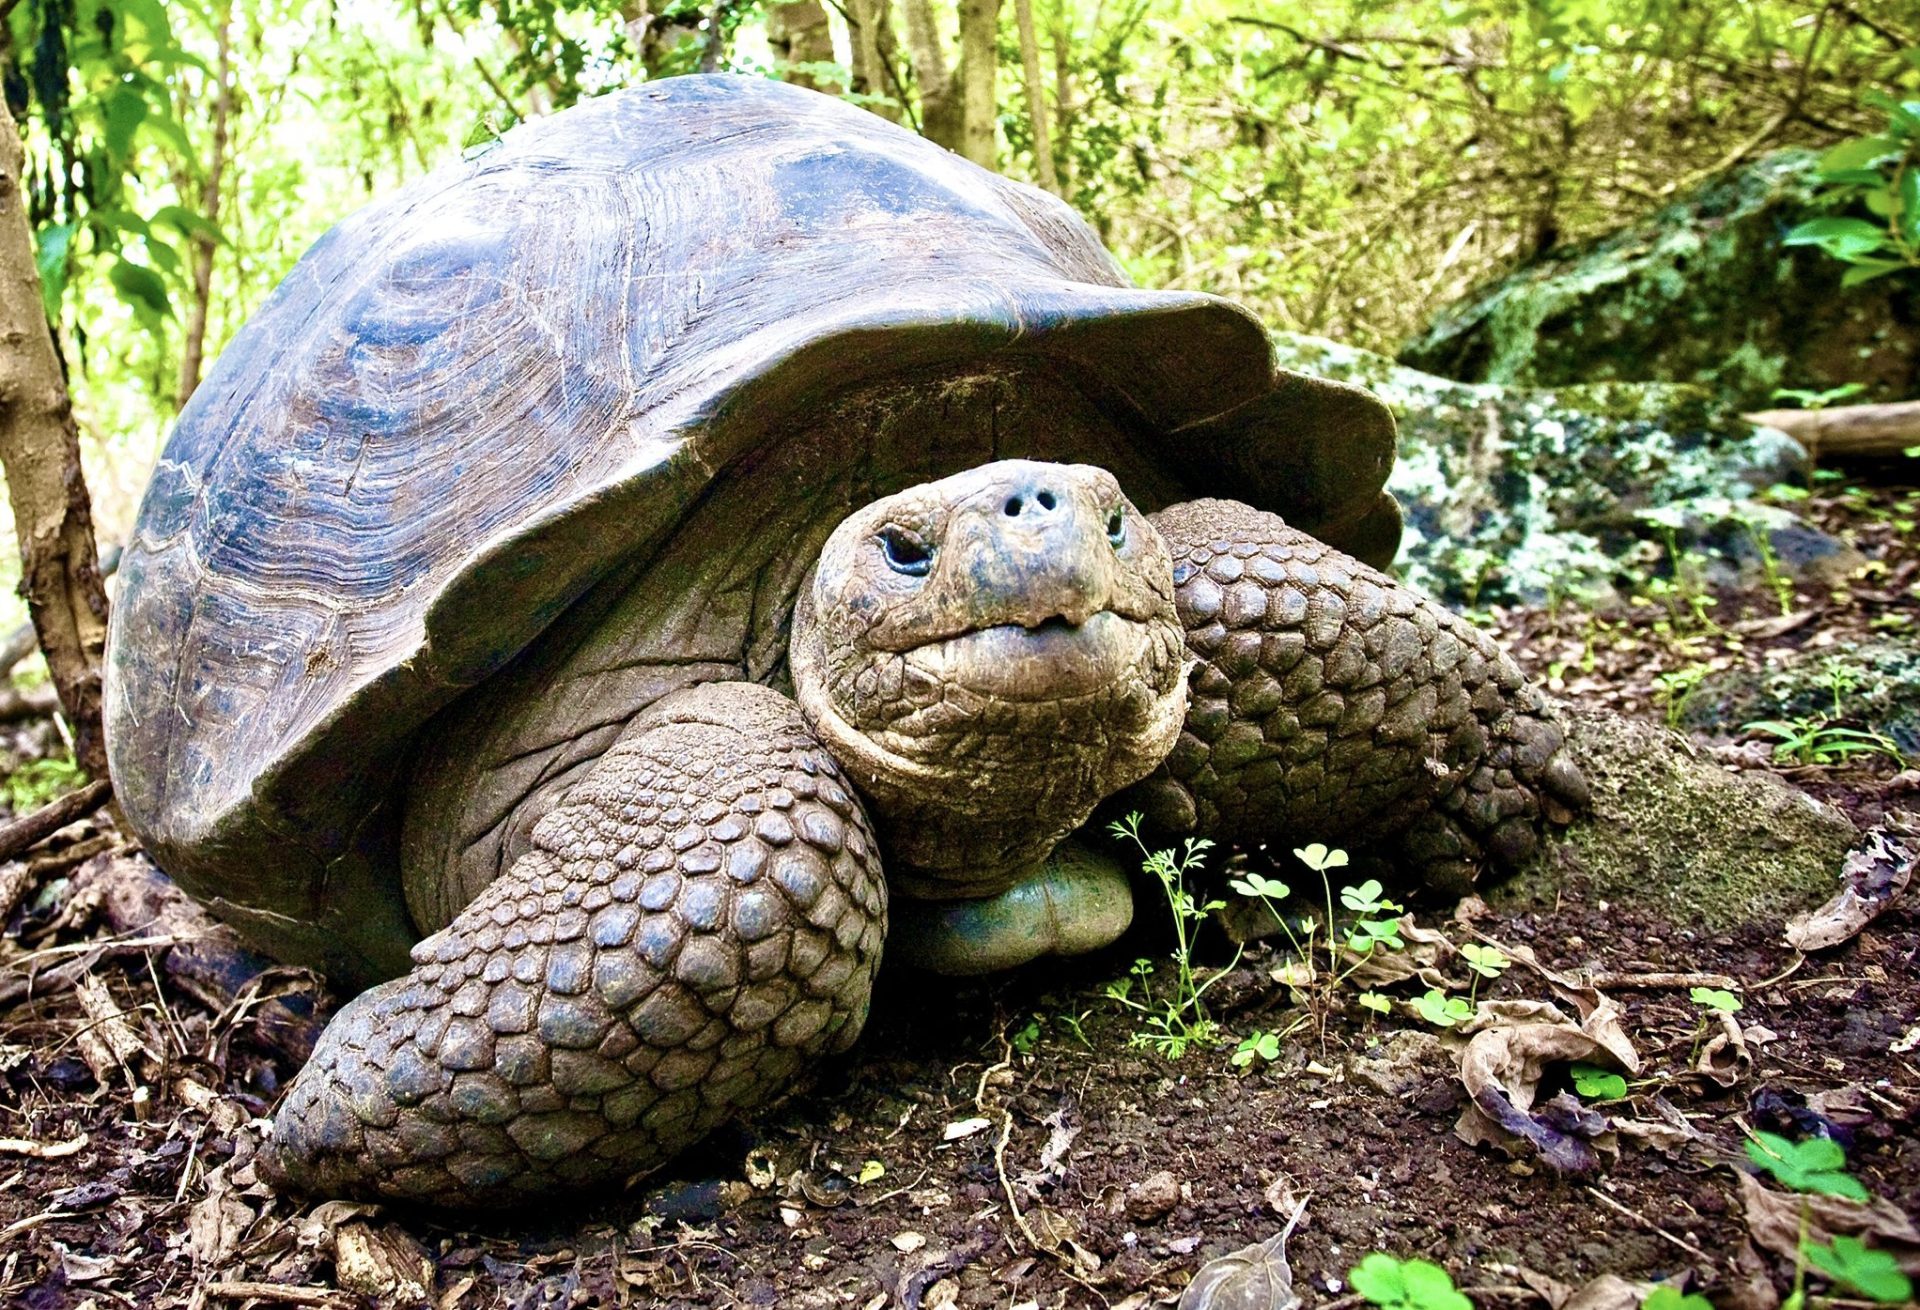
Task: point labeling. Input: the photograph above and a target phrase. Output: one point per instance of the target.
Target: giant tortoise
(610, 577)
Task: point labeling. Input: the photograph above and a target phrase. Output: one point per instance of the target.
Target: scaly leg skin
(1330, 703)
(699, 916)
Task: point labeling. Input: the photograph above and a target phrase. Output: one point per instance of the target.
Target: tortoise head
(1000, 643)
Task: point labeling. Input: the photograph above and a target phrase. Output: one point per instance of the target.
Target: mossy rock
(1703, 291)
(1682, 836)
(1876, 685)
(1527, 494)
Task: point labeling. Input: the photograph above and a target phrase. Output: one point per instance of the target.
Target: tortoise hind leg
(698, 917)
(1331, 703)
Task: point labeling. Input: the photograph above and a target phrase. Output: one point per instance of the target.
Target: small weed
(1177, 1021)
(1394, 1284)
(1024, 1038)
(1712, 1001)
(1486, 962)
(1818, 1165)
(1809, 399)
(1377, 1002)
(1676, 688)
(1363, 938)
(1817, 740)
(1876, 1275)
(1783, 590)
(1713, 998)
(1441, 1010)
(1260, 1046)
(1596, 1084)
(1669, 1298)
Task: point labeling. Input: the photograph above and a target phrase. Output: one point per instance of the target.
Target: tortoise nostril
(1013, 507)
(1046, 499)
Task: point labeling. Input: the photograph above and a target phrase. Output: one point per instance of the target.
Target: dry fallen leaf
(1512, 1044)
(1875, 873)
(1773, 1221)
(1255, 1277)
(953, 1132)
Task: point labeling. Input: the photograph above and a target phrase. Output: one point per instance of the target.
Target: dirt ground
(1008, 1143)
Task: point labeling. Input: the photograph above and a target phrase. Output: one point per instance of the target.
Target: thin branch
(34, 828)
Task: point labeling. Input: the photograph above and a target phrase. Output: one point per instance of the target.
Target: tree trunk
(799, 34)
(1063, 104)
(40, 450)
(204, 245)
(1868, 431)
(940, 106)
(979, 66)
(873, 47)
(1036, 97)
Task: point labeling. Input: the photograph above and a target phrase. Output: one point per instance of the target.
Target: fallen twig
(1651, 1226)
(42, 1150)
(277, 1292)
(1652, 982)
(34, 828)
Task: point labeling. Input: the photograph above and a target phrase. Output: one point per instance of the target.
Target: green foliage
(1715, 999)
(1849, 1262)
(1669, 1298)
(1395, 1284)
(1258, 1045)
(1818, 1164)
(1177, 1019)
(1818, 740)
(1597, 1084)
(1441, 1010)
(1675, 687)
(1807, 399)
(37, 782)
(1881, 174)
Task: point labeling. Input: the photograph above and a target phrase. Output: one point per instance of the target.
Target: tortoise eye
(1117, 529)
(905, 552)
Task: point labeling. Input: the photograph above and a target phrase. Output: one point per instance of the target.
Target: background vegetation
(1343, 166)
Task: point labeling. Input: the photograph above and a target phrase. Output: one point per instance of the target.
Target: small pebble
(1153, 1197)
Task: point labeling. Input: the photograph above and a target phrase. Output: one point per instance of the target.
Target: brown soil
(1004, 1143)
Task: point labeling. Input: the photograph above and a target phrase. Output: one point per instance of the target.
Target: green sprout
(1876, 1275)
(1260, 1045)
(1818, 1165)
(1441, 1010)
(1394, 1284)
(1486, 962)
(1669, 1298)
(1714, 998)
(1376, 1002)
(1597, 1084)
(1817, 740)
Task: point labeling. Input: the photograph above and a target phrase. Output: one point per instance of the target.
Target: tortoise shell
(472, 403)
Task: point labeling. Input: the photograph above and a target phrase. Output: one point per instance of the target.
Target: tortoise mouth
(1053, 660)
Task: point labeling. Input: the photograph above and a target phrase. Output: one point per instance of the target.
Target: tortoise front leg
(698, 917)
(1330, 703)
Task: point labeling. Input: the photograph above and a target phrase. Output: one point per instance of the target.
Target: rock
(1515, 494)
(1152, 1198)
(1704, 292)
(1874, 685)
(1401, 1063)
(1682, 836)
